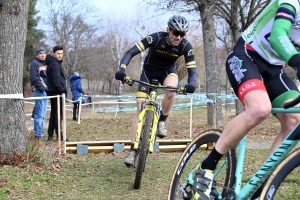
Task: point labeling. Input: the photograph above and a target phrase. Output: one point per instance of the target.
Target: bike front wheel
(194, 154)
(284, 182)
(143, 149)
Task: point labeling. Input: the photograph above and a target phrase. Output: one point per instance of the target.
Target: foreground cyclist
(164, 49)
(255, 71)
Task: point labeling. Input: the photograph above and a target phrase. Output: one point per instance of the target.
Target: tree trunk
(13, 23)
(210, 52)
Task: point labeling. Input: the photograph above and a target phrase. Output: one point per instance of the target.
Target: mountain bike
(147, 125)
(278, 174)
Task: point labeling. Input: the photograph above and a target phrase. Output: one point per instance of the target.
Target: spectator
(56, 86)
(89, 99)
(39, 87)
(77, 92)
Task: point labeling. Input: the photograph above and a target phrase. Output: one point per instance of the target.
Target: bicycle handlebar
(292, 103)
(130, 82)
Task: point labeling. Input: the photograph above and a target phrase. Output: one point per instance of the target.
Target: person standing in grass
(56, 86)
(38, 80)
(77, 92)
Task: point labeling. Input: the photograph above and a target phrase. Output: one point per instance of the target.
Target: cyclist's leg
(285, 90)
(246, 81)
(168, 78)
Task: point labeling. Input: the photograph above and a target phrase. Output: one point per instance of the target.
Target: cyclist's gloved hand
(120, 74)
(189, 88)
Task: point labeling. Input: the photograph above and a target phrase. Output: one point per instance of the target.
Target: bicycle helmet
(178, 23)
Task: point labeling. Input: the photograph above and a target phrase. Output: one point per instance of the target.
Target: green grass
(104, 176)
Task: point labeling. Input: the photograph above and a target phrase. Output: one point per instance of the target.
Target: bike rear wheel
(194, 154)
(143, 149)
(284, 183)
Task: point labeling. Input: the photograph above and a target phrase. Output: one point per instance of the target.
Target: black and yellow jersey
(161, 54)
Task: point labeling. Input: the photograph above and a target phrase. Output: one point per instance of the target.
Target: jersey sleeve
(282, 25)
(149, 41)
(190, 62)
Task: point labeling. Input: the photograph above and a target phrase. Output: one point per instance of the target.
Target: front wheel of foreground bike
(284, 182)
(194, 154)
(143, 149)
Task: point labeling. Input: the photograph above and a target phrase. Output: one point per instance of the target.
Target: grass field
(104, 176)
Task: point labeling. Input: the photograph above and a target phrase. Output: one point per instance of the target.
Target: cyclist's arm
(279, 38)
(190, 64)
(148, 41)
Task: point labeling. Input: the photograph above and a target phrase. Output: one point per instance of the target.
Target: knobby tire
(143, 149)
(180, 174)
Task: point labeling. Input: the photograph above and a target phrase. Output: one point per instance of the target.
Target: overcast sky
(117, 8)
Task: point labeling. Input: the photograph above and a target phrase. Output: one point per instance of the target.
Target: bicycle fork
(153, 128)
(139, 129)
(153, 132)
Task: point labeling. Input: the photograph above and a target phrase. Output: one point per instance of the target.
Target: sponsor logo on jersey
(235, 65)
(166, 53)
(285, 42)
(163, 46)
(149, 39)
(253, 28)
(248, 86)
(191, 52)
(175, 49)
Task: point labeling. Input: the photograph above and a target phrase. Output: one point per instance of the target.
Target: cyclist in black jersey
(164, 49)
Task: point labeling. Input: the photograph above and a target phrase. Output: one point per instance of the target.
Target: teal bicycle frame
(269, 165)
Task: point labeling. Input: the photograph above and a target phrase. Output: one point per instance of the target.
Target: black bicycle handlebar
(292, 103)
(130, 82)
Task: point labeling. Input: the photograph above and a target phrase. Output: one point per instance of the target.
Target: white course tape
(11, 96)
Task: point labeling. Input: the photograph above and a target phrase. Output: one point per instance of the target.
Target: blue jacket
(76, 88)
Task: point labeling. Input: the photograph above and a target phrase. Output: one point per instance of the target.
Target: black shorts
(148, 74)
(248, 71)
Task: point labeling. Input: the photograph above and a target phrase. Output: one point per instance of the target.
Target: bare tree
(117, 44)
(68, 26)
(13, 23)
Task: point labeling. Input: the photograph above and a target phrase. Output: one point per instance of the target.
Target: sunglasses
(177, 33)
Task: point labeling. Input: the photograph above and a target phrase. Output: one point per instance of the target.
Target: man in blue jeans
(38, 81)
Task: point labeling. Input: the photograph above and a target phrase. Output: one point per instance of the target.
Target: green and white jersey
(287, 40)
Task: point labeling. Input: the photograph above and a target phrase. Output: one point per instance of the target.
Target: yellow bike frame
(150, 105)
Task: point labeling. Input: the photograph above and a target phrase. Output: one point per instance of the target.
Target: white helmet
(178, 23)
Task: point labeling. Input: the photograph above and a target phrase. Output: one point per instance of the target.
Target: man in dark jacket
(38, 81)
(76, 88)
(56, 86)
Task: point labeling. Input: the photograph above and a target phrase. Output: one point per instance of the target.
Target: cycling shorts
(248, 71)
(148, 74)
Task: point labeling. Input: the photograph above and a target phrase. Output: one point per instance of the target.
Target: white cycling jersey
(258, 33)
